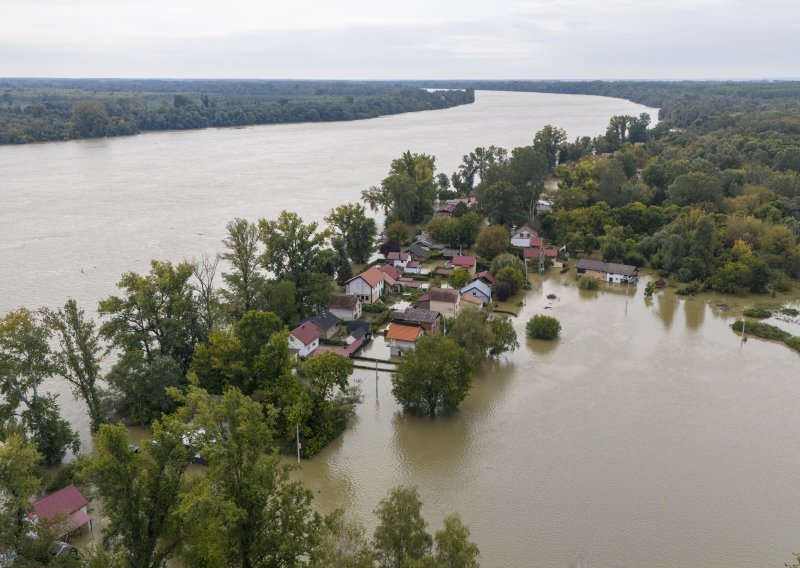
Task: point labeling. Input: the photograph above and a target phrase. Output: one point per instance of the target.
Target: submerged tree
(243, 255)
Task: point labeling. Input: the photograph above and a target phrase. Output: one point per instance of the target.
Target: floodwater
(647, 435)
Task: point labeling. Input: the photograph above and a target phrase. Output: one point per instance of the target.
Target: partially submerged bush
(588, 283)
(543, 327)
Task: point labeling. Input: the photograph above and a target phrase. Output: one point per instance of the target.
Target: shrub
(758, 313)
(543, 327)
(502, 290)
(511, 275)
(588, 283)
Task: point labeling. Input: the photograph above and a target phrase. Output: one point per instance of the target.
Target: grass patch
(766, 331)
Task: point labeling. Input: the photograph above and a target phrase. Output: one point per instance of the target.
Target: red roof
(307, 333)
(372, 276)
(533, 252)
(413, 264)
(403, 332)
(485, 275)
(424, 298)
(404, 256)
(66, 501)
(446, 209)
(464, 261)
(537, 241)
(390, 271)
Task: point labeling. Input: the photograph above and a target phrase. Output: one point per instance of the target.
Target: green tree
(459, 278)
(504, 204)
(492, 241)
(408, 192)
(326, 372)
(444, 229)
(140, 491)
(437, 374)
(468, 226)
(156, 314)
(401, 536)
(19, 483)
(355, 228)
(209, 306)
(543, 327)
(696, 188)
(507, 259)
(511, 275)
(342, 544)
(245, 512)
(243, 255)
(91, 119)
(79, 357)
(453, 547)
(397, 231)
(139, 385)
(482, 334)
(25, 362)
(291, 246)
(548, 140)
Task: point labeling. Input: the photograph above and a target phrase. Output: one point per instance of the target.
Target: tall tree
(79, 357)
(140, 491)
(25, 362)
(481, 333)
(548, 140)
(208, 304)
(453, 547)
(19, 483)
(504, 204)
(437, 374)
(408, 192)
(355, 228)
(401, 536)
(245, 512)
(243, 255)
(156, 314)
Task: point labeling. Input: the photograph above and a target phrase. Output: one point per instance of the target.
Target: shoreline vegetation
(207, 364)
(42, 110)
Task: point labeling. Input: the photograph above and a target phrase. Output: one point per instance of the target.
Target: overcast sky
(403, 39)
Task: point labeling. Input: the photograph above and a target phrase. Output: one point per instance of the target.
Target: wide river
(646, 436)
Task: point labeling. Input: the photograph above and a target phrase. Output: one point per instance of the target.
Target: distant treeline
(36, 110)
(681, 103)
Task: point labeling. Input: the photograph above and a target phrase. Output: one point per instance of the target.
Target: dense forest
(36, 110)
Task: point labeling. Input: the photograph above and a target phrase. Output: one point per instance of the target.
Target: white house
(522, 237)
(608, 271)
(304, 339)
(399, 259)
(345, 307)
(478, 289)
(402, 337)
(413, 267)
(446, 301)
(368, 285)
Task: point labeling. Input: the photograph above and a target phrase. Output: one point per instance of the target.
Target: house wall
(302, 350)
(445, 308)
(398, 347)
(364, 292)
(348, 315)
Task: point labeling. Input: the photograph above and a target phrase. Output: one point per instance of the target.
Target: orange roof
(403, 332)
(472, 300)
(371, 276)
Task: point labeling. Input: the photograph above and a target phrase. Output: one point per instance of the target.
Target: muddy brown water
(647, 435)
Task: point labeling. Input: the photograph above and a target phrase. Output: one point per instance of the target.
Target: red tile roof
(533, 252)
(447, 295)
(66, 501)
(372, 276)
(404, 256)
(537, 241)
(403, 332)
(464, 261)
(485, 275)
(390, 271)
(307, 333)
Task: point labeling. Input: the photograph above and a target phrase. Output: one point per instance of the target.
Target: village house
(477, 289)
(67, 507)
(467, 300)
(486, 277)
(608, 271)
(327, 322)
(423, 302)
(446, 301)
(402, 338)
(368, 285)
(399, 259)
(391, 278)
(533, 253)
(444, 211)
(304, 339)
(468, 263)
(468, 201)
(413, 267)
(346, 307)
(428, 320)
(522, 237)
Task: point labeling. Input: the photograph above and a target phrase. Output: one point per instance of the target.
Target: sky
(412, 39)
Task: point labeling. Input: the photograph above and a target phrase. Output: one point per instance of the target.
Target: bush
(511, 275)
(502, 290)
(758, 313)
(543, 327)
(791, 312)
(588, 283)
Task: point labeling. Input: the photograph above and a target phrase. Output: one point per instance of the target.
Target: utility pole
(297, 430)
(744, 323)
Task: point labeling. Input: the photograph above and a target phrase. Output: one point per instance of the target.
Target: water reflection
(694, 310)
(667, 304)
